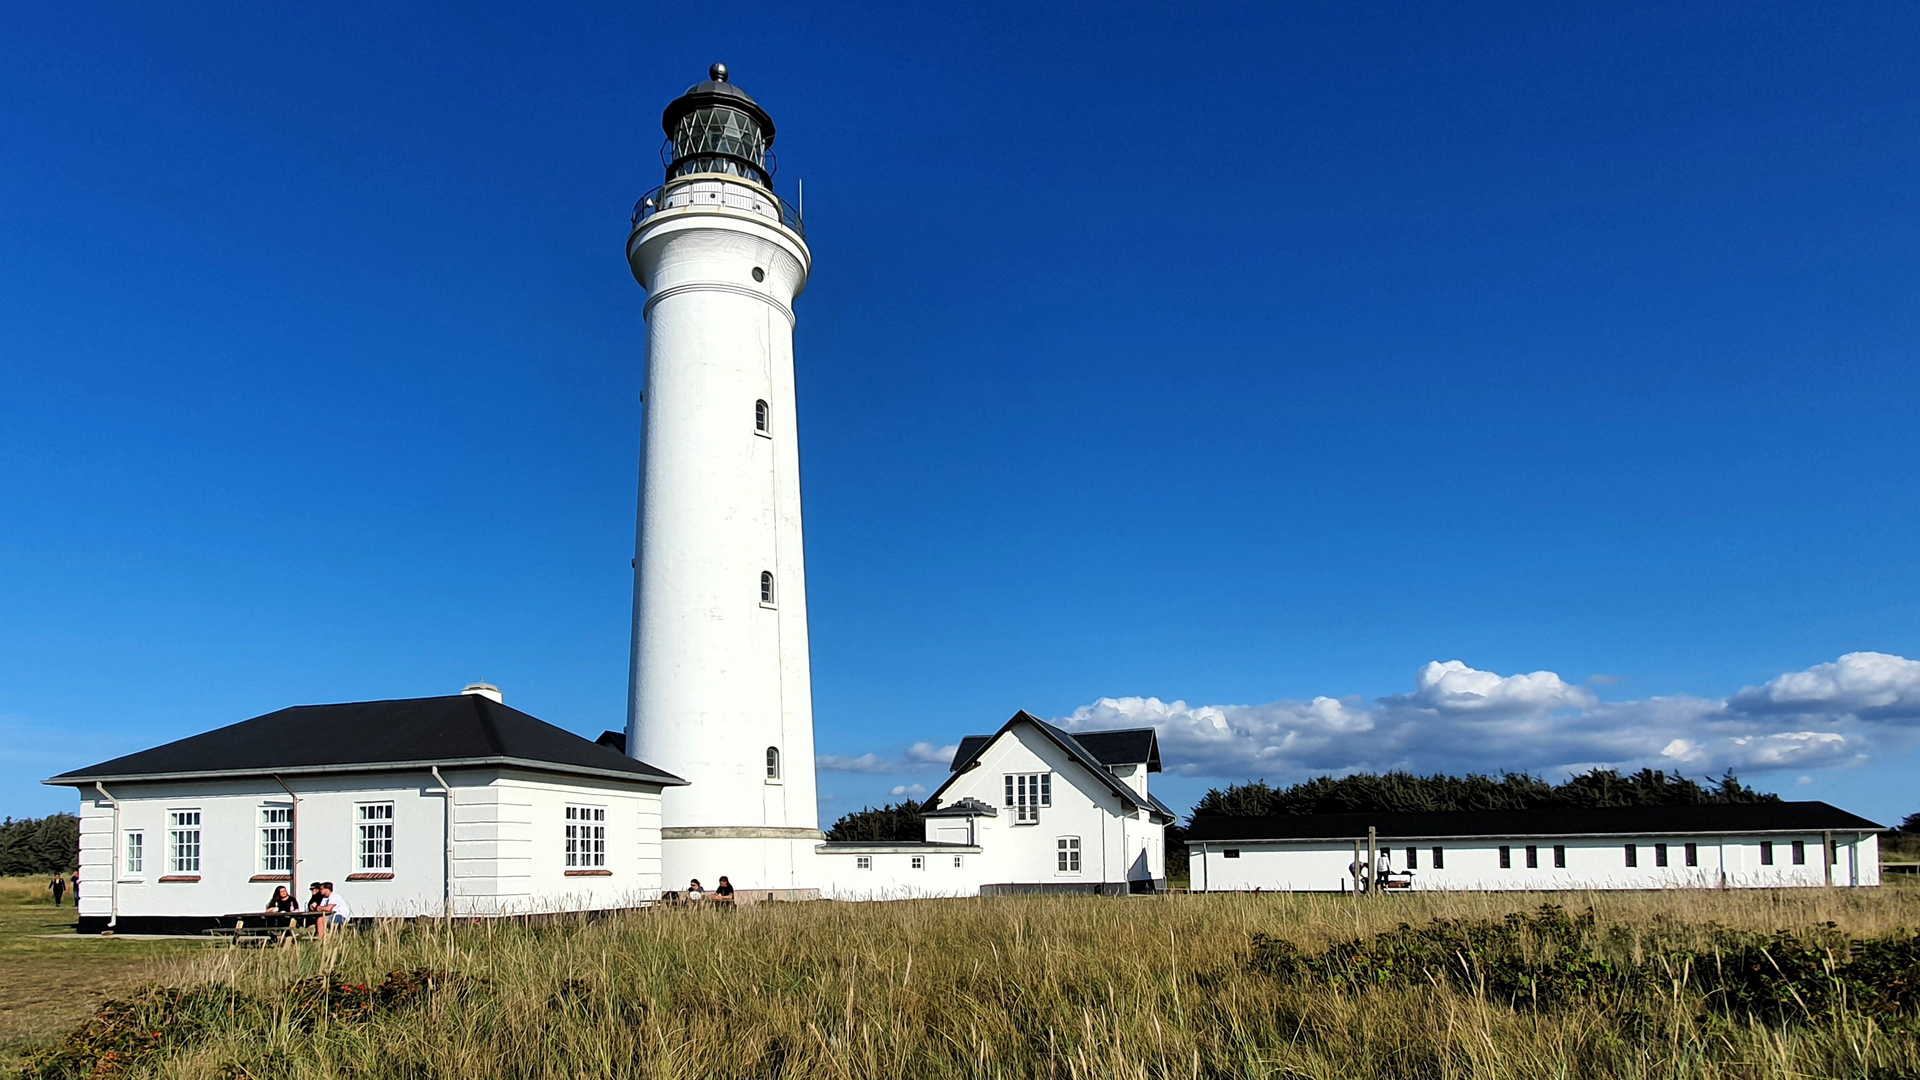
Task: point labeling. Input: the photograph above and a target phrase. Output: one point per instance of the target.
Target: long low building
(1725, 846)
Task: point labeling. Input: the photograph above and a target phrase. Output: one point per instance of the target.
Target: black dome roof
(716, 91)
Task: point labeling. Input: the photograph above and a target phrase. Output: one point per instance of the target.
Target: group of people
(321, 897)
(722, 893)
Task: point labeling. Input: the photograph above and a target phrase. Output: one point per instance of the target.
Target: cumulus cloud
(921, 757)
(911, 791)
(1460, 718)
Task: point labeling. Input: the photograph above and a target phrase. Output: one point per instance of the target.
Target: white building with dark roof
(1760, 845)
(411, 807)
(1030, 808)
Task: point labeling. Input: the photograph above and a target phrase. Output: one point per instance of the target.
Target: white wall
(1592, 863)
(891, 875)
(508, 852)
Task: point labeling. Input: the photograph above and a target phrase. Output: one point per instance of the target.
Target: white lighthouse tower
(721, 691)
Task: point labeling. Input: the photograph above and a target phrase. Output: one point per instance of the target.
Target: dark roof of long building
(359, 736)
(1801, 817)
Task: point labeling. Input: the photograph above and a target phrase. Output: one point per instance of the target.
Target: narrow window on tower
(773, 763)
(766, 588)
(762, 419)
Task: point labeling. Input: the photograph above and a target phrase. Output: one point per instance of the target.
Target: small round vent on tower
(485, 690)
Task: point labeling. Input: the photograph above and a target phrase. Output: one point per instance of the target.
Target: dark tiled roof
(460, 729)
(967, 807)
(1804, 817)
(1132, 746)
(969, 746)
(615, 739)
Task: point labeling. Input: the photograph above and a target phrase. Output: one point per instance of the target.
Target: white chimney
(485, 690)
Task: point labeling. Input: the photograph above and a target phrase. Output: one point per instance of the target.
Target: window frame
(1766, 853)
(1693, 854)
(1027, 794)
(1799, 853)
(133, 852)
(1413, 858)
(918, 862)
(1533, 856)
(177, 847)
(584, 836)
(1067, 856)
(769, 590)
(1506, 856)
(762, 418)
(863, 862)
(1439, 857)
(274, 830)
(773, 765)
(1633, 855)
(1559, 856)
(368, 826)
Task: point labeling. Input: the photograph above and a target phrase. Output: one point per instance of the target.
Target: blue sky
(1218, 366)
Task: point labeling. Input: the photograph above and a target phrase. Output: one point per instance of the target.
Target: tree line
(48, 845)
(1404, 791)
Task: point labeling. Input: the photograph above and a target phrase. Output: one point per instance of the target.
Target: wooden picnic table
(260, 927)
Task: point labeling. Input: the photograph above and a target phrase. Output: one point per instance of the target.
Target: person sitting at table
(282, 902)
(333, 906)
(723, 892)
(314, 899)
(694, 891)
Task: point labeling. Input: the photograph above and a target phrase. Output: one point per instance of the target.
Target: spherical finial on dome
(718, 73)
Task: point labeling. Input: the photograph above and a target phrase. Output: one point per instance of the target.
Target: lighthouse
(721, 690)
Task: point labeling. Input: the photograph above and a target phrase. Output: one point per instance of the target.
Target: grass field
(1177, 986)
(50, 978)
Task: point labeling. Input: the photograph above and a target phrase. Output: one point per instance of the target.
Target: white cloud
(868, 762)
(912, 791)
(1459, 718)
(920, 758)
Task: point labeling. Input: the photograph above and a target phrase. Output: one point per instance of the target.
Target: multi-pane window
(1439, 858)
(766, 587)
(773, 763)
(1413, 858)
(586, 837)
(1766, 853)
(1659, 854)
(762, 418)
(276, 839)
(373, 846)
(1633, 854)
(136, 853)
(1067, 854)
(1027, 793)
(1533, 856)
(183, 841)
(863, 862)
(1693, 854)
(1799, 853)
(956, 862)
(919, 862)
(1559, 856)
(1506, 857)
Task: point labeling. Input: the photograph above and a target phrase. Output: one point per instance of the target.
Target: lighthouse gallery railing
(715, 189)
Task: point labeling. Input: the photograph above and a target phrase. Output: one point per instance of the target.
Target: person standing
(59, 887)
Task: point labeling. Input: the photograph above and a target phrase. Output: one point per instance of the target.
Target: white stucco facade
(720, 670)
(182, 849)
(988, 835)
(1757, 861)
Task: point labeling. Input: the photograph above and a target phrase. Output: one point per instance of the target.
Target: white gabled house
(1762, 845)
(1030, 808)
(407, 806)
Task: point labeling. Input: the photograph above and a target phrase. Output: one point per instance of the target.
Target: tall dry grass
(1010, 987)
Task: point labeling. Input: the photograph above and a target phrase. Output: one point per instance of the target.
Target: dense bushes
(1552, 960)
(1404, 791)
(48, 845)
(890, 824)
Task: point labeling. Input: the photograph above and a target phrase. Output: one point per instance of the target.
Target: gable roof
(973, 746)
(1128, 746)
(361, 736)
(1800, 817)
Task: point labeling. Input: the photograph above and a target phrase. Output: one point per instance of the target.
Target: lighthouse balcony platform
(717, 191)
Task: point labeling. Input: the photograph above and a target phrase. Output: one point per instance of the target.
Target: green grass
(49, 983)
(1018, 987)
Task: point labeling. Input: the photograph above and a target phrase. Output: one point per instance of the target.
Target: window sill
(764, 434)
(589, 873)
(179, 877)
(769, 607)
(275, 877)
(774, 781)
(371, 876)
